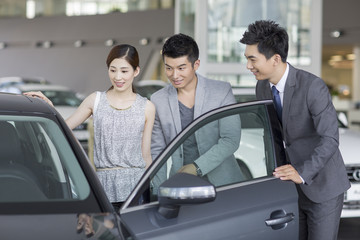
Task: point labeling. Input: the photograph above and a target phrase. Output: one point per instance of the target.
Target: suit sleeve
(229, 97)
(325, 122)
(158, 142)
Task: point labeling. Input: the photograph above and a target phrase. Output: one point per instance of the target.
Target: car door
(236, 198)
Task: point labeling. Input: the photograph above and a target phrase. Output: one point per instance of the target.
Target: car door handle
(279, 219)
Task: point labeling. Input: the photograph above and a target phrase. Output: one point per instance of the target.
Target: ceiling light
(336, 58)
(3, 45)
(144, 41)
(79, 43)
(350, 56)
(336, 33)
(44, 44)
(47, 44)
(109, 42)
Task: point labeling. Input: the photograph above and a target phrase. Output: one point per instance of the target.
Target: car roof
(41, 87)
(143, 83)
(17, 103)
(17, 79)
(243, 91)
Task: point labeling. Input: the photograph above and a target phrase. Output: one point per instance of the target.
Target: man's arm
(228, 131)
(325, 121)
(158, 143)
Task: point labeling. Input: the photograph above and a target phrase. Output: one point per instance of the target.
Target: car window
(37, 162)
(232, 146)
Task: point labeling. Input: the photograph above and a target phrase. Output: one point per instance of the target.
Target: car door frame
(237, 206)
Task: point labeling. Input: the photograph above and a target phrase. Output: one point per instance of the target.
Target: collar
(280, 86)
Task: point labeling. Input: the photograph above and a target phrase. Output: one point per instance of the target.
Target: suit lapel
(174, 108)
(288, 94)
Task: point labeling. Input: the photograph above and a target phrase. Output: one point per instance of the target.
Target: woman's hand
(39, 95)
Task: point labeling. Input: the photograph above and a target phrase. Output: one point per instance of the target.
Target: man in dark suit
(310, 130)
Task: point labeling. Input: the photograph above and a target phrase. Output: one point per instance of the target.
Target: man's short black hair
(270, 37)
(180, 45)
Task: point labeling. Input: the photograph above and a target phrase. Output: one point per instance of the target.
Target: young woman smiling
(123, 122)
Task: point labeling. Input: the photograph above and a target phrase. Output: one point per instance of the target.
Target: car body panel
(60, 226)
(348, 139)
(256, 208)
(239, 210)
(236, 213)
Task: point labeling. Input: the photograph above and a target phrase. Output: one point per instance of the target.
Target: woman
(123, 122)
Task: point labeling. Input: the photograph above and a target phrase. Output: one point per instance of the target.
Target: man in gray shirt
(189, 96)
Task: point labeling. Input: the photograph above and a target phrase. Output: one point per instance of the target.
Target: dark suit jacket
(310, 131)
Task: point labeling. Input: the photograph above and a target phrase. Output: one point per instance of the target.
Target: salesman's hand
(287, 173)
(189, 168)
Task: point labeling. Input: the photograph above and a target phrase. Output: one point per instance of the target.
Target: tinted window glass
(230, 147)
(37, 163)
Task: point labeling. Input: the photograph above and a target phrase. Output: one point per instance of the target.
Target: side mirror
(183, 188)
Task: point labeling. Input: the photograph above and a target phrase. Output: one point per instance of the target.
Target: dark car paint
(26, 224)
(216, 220)
(21, 104)
(58, 227)
(55, 224)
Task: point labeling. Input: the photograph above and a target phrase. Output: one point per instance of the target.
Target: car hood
(349, 146)
(59, 226)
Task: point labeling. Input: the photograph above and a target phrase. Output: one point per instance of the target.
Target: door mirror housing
(181, 189)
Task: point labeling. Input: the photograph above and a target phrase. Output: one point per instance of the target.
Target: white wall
(82, 69)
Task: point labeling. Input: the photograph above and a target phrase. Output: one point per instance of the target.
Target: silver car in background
(64, 99)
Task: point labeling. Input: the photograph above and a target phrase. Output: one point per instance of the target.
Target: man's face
(257, 63)
(180, 72)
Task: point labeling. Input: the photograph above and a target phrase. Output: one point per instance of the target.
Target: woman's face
(122, 74)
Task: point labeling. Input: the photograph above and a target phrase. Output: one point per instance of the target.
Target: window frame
(141, 193)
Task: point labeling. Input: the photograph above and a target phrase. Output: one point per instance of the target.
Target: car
(147, 87)
(6, 83)
(49, 189)
(244, 94)
(349, 140)
(65, 101)
(46, 182)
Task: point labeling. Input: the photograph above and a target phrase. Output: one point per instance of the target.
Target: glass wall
(228, 19)
(218, 25)
(38, 8)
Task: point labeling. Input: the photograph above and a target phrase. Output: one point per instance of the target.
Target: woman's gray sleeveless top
(117, 146)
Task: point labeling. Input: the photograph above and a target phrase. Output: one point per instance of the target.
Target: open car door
(236, 198)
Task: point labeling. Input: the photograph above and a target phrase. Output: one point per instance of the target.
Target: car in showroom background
(64, 99)
(49, 189)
